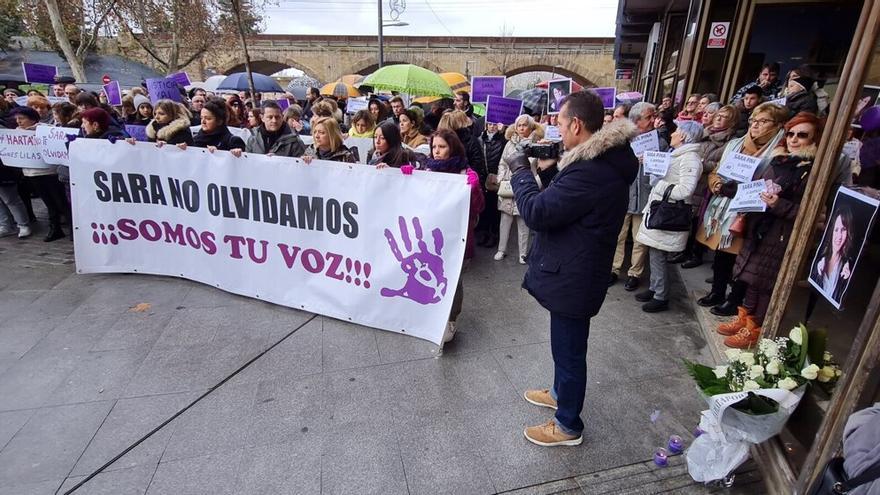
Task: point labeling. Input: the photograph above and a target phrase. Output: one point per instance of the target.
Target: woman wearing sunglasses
(767, 234)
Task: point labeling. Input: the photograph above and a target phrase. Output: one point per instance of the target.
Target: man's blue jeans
(568, 342)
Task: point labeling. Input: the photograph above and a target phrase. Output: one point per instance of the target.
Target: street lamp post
(383, 25)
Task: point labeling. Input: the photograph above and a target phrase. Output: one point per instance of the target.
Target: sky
(568, 18)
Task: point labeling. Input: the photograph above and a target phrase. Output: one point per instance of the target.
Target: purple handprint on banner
(425, 283)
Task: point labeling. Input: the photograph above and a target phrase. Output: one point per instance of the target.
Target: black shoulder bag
(667, 215)
(836, 482)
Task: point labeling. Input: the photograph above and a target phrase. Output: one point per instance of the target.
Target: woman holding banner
(44, 180)
(388, 150)
(722, 230)
(448, 156)
(214, 135)
(767, 233)
(170, 125)
(327, 144)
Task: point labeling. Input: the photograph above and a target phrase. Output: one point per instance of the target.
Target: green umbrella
(409, 79)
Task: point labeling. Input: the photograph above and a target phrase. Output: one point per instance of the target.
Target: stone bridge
(589, 61)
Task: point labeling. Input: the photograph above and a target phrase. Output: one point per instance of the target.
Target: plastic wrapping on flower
(729, 432)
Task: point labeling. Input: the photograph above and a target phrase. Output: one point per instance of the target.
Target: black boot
(692, 262)
(678, 258)
(712, 299)
(727, 308)
(54, 234)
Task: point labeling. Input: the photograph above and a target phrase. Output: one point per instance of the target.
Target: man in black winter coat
(576, 219)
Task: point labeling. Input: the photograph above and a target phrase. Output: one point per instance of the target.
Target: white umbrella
(212, 82)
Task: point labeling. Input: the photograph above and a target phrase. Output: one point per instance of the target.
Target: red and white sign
(718, 35)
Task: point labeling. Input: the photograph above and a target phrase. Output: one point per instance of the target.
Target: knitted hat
(141, 100)
(27, 112)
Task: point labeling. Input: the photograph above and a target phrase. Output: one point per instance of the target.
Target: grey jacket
(861, 447)
(286, 145)
(640, 189)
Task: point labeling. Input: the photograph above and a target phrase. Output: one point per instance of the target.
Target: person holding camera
(524, 130)
(674, 190)
(576, 219)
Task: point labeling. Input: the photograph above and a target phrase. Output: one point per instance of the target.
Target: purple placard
(138, 132)
(161, 89)
(607, 95)
(114, 94)
(283, 103)
(181, 78)
(483, 86)
(501, 110)
(38, 73)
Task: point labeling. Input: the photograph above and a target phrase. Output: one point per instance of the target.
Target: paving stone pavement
(335, 408)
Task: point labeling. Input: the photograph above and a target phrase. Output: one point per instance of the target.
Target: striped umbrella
(340, 90)
(535, 99)
(352, 79)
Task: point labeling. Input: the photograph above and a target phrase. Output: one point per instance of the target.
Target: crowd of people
(777, 121)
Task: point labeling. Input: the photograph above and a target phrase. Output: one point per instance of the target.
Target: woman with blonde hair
(327, 144)
(170, 124)
(524, 129)
(42, 106)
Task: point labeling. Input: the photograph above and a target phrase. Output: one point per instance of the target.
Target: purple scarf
(452, 165)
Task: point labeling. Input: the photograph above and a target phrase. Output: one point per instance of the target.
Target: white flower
(756, 372)
(810, 372)
(796, 336)
(787, 384)
(838, 372)
(768, 348)
(720, 371)
(826, 357)
(747, 358)
(826, 374)
(750, 385)
(773, 367)
(732, 354)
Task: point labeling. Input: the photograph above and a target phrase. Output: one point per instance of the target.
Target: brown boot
(747, 337)
(732, 327)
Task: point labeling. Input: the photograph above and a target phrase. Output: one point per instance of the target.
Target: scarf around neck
(452, 165)
(756, 146)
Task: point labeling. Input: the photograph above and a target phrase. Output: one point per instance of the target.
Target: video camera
(548, 151)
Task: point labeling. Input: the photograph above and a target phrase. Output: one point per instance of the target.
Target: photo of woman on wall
(835, 262)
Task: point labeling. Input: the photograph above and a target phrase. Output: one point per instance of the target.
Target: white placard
(342, 240)
(355, 105)
(20, 148)
(779, 101)
(649, 141)
(22, 100)
(551, 132)
(739, 167)
(748, 197)
(53, 143)
(363, 145)
(851, 148)
(657, 163)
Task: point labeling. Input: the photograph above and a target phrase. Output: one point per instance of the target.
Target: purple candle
(676, 445)
(661, 458)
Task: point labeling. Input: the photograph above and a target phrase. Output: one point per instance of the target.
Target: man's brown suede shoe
(549, 435)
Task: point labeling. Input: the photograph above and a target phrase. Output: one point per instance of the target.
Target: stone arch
(269, 67)
(368, 65)
(575, 73)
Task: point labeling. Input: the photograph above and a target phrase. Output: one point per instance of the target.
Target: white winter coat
(684, 173)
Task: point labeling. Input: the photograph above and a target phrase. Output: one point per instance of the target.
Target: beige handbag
(505, 190)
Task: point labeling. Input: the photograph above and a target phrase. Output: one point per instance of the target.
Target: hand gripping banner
(373, 247)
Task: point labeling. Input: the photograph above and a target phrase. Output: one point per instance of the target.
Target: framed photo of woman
(842, 243)
(557, 90)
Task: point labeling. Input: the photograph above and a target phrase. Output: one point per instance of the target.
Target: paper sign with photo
(748, 197)
(657, 163)
(557, 90)
(739, 167)
(649, 141)
(551, 133)
(846, 231)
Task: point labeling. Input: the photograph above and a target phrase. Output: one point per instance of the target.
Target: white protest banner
(739, 167)
(657, 163)
(355, 105)
(649, 141)
(551, 133)
(748, 197)
(241, 132)
(53, 143)
(22, 100)
(20, 148)
(343, 240)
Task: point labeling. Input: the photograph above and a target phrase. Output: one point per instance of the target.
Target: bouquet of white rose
(751, 397)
